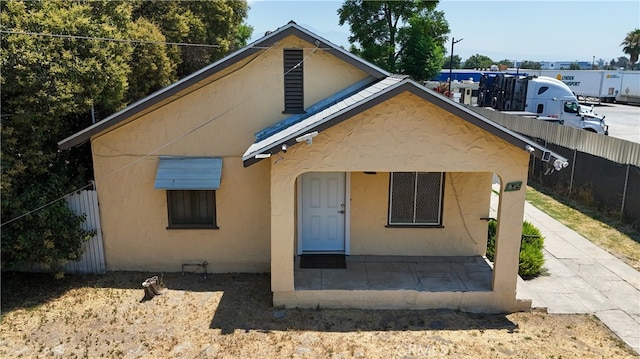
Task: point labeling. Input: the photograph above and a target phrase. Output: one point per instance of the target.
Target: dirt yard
(230, 316)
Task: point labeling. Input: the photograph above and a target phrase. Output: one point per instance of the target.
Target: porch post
(282, 230)
(509, 232)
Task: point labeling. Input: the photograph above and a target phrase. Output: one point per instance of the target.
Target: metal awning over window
(189, 173)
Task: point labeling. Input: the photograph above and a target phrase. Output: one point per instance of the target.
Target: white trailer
(603, 85)
(629, 87)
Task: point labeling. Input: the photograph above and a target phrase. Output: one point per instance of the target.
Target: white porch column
(282, 230)
(508, 235)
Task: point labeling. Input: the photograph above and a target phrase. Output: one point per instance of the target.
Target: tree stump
(151, 287)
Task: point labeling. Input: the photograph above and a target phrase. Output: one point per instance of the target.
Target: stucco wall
(466, 200)
(219, 119)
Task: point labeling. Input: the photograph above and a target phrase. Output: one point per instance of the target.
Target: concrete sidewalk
(583, 278)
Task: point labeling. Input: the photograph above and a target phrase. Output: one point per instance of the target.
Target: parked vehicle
(546, 97)
(629, 87)
(601, 85)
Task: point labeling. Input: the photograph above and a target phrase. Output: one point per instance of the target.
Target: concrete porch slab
(431, 274)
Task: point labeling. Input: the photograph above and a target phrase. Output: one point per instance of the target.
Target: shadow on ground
(245, 304)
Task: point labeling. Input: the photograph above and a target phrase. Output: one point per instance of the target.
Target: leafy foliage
(399, 36)
(50, 85)
(620, 62)
(531, 258)
(533, 65)
(631, 46)
(491, 239)
(206, 22)
(506, 62)
(448, 61)
(478, 61)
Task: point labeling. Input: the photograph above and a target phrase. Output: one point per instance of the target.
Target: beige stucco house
(293, 145)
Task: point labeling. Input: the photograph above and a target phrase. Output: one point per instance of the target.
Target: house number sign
(513, 186)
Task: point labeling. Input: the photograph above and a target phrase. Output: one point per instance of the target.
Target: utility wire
(46, 205)
(165, 144)
(79, 37)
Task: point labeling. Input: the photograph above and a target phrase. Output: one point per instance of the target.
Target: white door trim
(347, 213)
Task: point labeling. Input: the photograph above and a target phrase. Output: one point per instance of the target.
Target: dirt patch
(231, 316)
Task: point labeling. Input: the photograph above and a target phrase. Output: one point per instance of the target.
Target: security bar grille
(415, 198)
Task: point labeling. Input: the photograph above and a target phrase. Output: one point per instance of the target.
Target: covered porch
(349, 178)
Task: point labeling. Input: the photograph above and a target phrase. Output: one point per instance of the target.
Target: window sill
(192, 226)
(414, 226)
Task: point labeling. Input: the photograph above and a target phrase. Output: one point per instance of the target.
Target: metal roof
(199, 79)
(188, 173)
(373, 95)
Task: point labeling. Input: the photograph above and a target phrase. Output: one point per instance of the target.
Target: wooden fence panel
(92, 260)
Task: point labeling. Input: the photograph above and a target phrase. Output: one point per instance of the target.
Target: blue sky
(514, 29)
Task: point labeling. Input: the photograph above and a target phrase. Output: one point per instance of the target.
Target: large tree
(456, 62)
(631, 46)
(399, 36)
(49, 85)
(218, 23)
(60, 64)
(506, 62)
(531, 65)
(478, 61)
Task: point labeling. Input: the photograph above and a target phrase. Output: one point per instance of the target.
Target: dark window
(192, 209)
(542, 89)
(415, 198)
(540, 108)
(293, 81)
(570, 107)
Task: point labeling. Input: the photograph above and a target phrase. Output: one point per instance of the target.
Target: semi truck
(545, 97)
(600, 85)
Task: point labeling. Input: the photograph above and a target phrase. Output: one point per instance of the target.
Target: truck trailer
(629, 88)
(600, 85)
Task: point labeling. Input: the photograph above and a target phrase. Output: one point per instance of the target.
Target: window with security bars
(192, 209)
(293, 81)
(415, 198)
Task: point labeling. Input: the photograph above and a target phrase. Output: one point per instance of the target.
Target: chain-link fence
(610, 186)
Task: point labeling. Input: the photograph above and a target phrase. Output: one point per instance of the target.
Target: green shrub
(491, 239)
(531, 256)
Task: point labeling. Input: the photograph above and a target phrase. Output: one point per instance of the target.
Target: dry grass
(619, 240)
(231, 316)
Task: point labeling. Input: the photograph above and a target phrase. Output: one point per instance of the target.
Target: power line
(45, 205)
(78, 37)
(183, 135)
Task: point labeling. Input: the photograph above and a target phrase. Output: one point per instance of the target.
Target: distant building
(558, 65)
